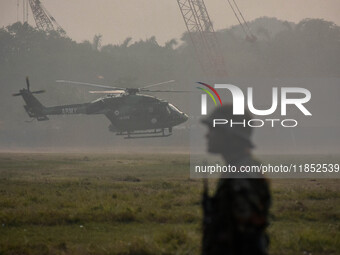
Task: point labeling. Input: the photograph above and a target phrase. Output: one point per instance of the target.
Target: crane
(203, 36)
(43, 19)
(250, 37)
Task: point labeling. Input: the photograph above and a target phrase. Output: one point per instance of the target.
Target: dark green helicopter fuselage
(127, 113)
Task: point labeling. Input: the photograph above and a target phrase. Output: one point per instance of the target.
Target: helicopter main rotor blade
(157, 84)
(89, 84)
(175, 91)
(107, 92)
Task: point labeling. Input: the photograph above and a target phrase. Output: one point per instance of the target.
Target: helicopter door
(156, 113)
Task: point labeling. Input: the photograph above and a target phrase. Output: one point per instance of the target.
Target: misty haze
(306, 55)
(70, 185)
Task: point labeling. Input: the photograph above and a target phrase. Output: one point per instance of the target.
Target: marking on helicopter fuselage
(69, 110)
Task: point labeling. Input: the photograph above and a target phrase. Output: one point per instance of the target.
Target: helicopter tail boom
(38, 111)
(33, 107)
(67, 109)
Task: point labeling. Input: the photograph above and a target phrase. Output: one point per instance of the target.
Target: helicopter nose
(184, 117)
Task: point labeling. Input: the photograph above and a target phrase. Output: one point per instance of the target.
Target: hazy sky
(141, 19)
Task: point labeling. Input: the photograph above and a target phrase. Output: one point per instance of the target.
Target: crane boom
(203, 36)
(43, 19)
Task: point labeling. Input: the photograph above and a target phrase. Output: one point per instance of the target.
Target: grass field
(141, 204)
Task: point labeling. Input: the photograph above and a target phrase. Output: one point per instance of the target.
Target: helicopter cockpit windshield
(174, 108)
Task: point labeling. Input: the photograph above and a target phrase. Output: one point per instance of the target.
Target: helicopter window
(174, 108)
(168, 109)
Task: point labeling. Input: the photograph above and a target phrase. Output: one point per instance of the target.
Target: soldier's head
(227, 134)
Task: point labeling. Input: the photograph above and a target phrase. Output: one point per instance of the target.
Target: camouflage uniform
(236, 216)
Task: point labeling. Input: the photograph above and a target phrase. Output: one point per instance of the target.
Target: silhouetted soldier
(236, 217)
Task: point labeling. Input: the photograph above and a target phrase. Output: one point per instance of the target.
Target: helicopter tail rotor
(33, 107)
(27, 90)
(28, 83)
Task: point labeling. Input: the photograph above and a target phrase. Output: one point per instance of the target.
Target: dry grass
(140, 204)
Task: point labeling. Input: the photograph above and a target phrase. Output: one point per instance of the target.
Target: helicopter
(131, 113)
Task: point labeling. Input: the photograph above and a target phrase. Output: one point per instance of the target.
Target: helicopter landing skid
(148, 134)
